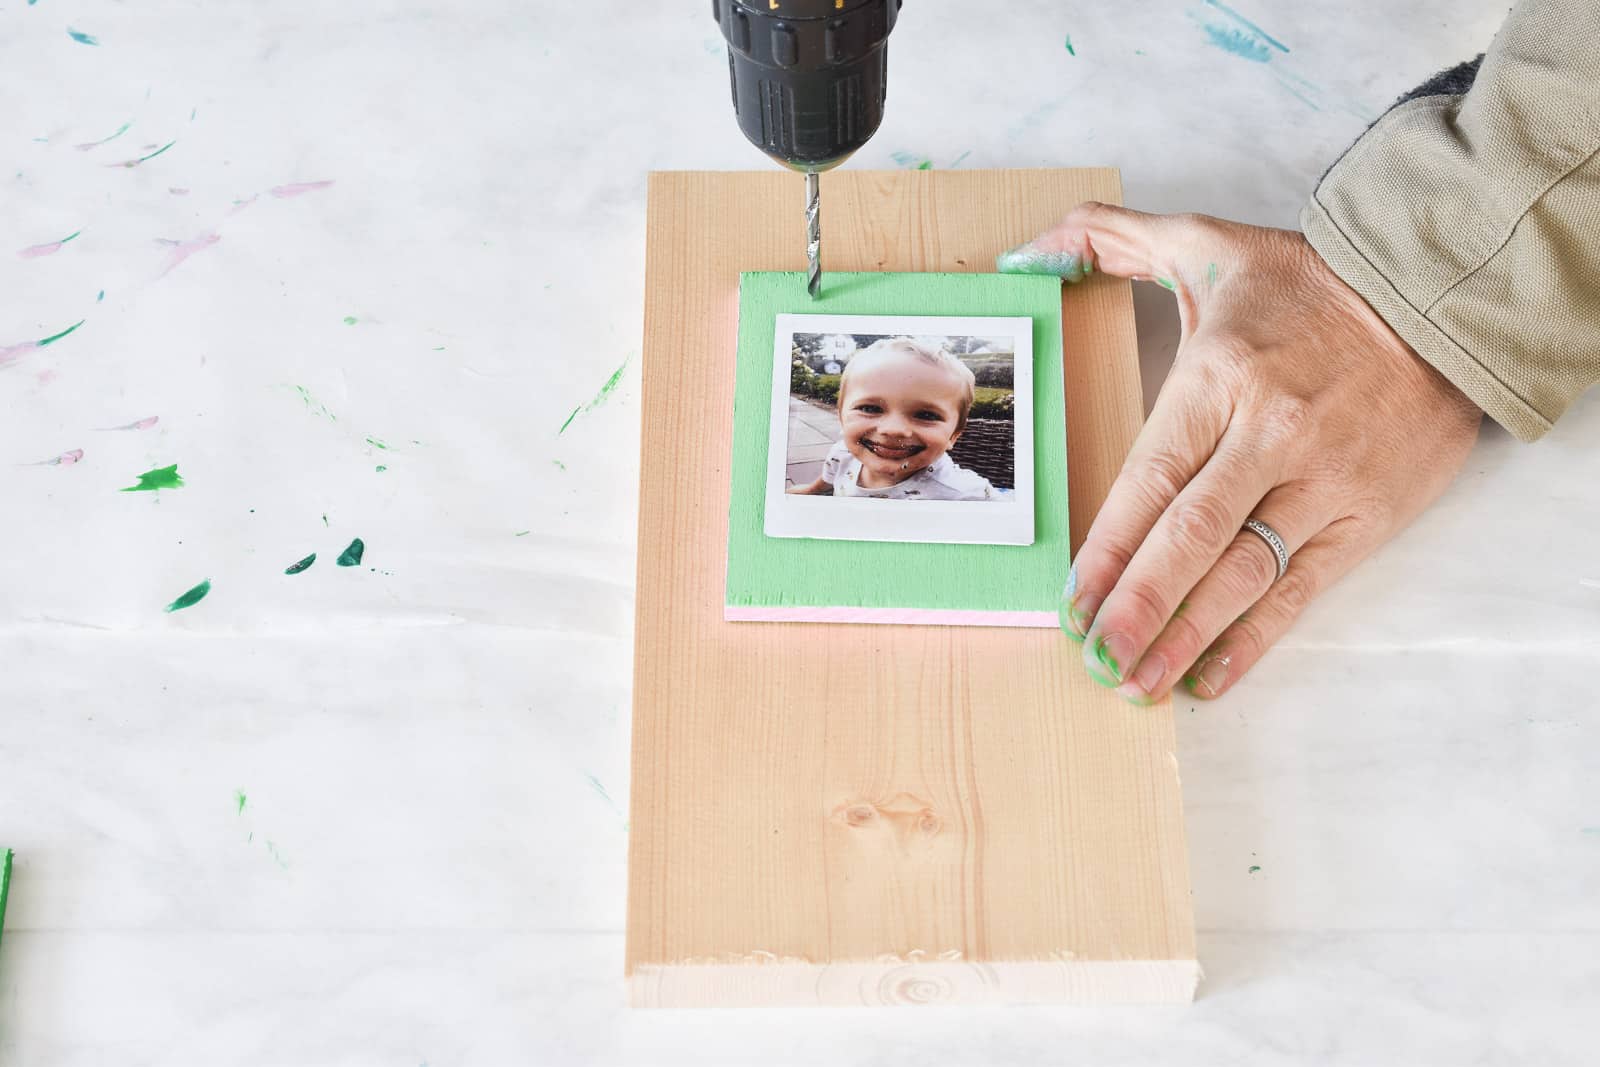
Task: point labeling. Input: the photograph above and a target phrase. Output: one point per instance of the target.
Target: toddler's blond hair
(939, 357)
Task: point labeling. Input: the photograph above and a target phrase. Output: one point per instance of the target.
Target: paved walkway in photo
(812, 431)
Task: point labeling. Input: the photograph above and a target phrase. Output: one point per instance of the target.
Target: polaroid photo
(902, 428)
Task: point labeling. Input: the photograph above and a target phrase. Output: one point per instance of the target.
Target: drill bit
(814, 234)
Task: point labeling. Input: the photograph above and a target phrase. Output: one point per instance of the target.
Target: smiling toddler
(902, 404)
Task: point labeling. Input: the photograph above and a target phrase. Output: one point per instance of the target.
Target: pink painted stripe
(894, 616)
(285, 192)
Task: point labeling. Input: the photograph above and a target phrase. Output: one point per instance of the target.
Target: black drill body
(809, 76)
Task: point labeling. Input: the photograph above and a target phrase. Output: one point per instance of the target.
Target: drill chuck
(808, 76)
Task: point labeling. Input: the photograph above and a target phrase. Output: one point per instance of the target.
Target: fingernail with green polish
(1026, 259)
(1068, 627)
(1141, 688)
(1081, 611)
(1209, 675)
(1111, 651)
(1064, 609)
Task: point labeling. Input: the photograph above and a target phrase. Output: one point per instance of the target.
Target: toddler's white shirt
(939, 480)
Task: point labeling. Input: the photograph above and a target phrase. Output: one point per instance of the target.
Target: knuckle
(1251, 567)
(1161, 476)
(1139, 611)
(1087, 213)
(1297, 589)
(1099, 567)
(1378, 512)
(1340, 469)
(1182, 641)
(1246, 631)
(1289, 418)
(1201, 525)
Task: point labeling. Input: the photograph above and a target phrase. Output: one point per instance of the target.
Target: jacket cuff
(1480, 385)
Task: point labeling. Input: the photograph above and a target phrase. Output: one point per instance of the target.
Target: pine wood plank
(880, 814)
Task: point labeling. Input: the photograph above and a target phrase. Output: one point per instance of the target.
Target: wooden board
(880, 814)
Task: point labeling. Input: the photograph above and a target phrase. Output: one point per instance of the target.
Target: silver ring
(1274, 542)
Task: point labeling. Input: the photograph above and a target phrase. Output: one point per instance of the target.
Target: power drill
(809, 80)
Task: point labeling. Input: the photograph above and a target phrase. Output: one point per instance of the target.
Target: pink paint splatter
(142, 424)
(182, 250)
(47, 376)
(66, 459)
(12, 353)
(49, 248)
(103, 140)
(285, 192)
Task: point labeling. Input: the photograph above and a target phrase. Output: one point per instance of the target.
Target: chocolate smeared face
(899, 414)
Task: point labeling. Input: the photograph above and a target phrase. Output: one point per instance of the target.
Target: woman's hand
(1290, 402)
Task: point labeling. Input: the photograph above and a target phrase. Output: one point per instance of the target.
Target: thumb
(1128, 244)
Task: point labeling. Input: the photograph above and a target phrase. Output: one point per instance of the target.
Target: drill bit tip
(814, 234)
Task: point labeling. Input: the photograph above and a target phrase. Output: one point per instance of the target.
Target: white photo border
(966, 522)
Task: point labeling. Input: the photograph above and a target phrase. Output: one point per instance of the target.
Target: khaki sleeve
(1471, 223)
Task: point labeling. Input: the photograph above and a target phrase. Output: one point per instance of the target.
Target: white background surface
(429, 867)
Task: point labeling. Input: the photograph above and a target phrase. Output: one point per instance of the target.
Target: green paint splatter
(594, 783)
(1254, 868)
(1166, 283)
(1025, 259)
(375, 443)
(160, 478)
(191, 598)
(135, 162)
(96, 144)
(926, 164)
(956, 162)
(53, 338)
(81, 37)
(324, 521)
(1070, 50)
(239, 799)
(599, 398)
(351, 557)
(1211, 274)
(560, 464)
(277, 856)
(1183, 606)
(380, 468)
(439, 349)
(350, 320)
(1138, 51)
(296, 568)
(522, 533)
(313, 404)
(5, 883)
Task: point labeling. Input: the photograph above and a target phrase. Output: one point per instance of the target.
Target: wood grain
(880, 814)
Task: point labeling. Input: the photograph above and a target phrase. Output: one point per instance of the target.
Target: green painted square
(799, 572)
